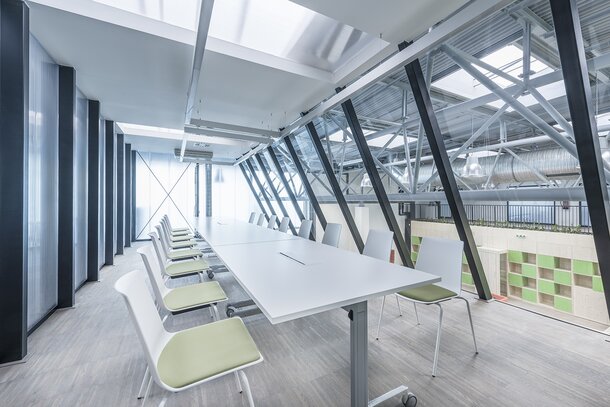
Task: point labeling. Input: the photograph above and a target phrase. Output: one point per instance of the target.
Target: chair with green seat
(178, 254)
(178, 361)
(176, 231)
(177, 269)
(177, 242)
(443, 258)
(175, 238)
(252, 217)
(261, 219)
(182, 299)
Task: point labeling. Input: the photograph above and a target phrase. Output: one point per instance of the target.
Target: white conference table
(290, 277)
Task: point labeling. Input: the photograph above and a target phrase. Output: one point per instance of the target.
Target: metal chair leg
(147, 391)
(214, 310)
(380, 316)
(246, 385)
(140, 395)
(238, 382)
(416, 314)
(438, 339)
(163, 402)
(398, 305)
(474, 339)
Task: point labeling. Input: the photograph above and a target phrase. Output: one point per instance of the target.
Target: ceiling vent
(194, 155)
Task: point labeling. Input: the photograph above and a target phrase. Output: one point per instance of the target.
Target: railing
(552, 216)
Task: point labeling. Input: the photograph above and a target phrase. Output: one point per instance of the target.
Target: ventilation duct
(194, 155)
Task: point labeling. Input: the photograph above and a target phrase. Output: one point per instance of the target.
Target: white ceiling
(139, 68)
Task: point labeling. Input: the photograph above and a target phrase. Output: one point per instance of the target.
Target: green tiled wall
(563, 303)
(562, 277)
(546, 287)
(529, 270)
(529, 294)
(585, 268)
(547, 262)
(597, 284)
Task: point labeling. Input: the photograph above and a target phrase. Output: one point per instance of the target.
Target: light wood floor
(90, 356)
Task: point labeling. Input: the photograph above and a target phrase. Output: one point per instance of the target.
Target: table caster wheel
(409, 400)
(210, 275)
(230, 312)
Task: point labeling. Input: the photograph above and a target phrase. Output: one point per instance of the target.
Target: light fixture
(472, 170)
(366, 181)
(218, 177)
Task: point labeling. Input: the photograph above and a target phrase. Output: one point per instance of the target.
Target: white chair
(181, 242)
(332, 234)
(305, 228)
(177, 269)
(176, 254)
(182, 299)
(261, 219)
(284, 224)
(272, 220)
(178, 361)
(172, 237)
(252, 217)
(441, 257)
(176, 231)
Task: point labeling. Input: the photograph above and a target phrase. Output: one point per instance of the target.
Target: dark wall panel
(94, 191)
(80, 196)
(110, 199)
(127, 205)
(120, 193)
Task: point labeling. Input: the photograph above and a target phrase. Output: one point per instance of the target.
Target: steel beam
(306, 185)
(282, 177)
(439, 152)
(249, 182)
(262, 189)
(576, 78)
(380, 193)
(276, 194)
(334, 184)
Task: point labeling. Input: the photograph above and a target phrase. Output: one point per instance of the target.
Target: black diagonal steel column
(306, 184)
(371, 169)
(258, 200)
(276, 195)
(578, 91)
(260, 186)
(441, 159)
(282, 177)
(334, 184)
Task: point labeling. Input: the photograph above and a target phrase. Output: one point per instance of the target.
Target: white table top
(220, 232)
(315, 278)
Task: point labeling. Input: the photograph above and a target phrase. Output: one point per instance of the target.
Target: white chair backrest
(165, 227)
(152, 334)
(305, 228)
(378, 244)
(161, 257)
(164, 242)
(284, 224)
(332, 234)
(272, 220)
(252, 217)
(154, 274)
(261, 219)
(443, 258)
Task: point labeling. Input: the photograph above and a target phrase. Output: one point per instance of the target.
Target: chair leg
(474, 339)
(140, 395)
(163, 402)
(398, 305)
(380, 316)
(246, 385)
(238, 382)
(147, 391)
(416, 314)
(215, 312)
(438, 339)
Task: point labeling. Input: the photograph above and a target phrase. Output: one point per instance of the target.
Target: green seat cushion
(181, 233)
(194, 295)
(186, 267)
(181, 238)
(205, 351)
(184, 254)
(181, 245)
(428, 293)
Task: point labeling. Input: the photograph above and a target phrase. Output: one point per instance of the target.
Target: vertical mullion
(110, 191)
(120, 193)
(128, 195)
(441, 159)
(93, 191)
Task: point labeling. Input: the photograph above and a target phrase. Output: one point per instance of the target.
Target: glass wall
(80, 189)
(42, 184)
(164, 185)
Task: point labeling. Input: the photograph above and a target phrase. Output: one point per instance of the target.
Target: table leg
(359, 354)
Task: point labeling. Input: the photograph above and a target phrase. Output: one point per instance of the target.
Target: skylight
(181, 13)
(288, 30)
(510, 60)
